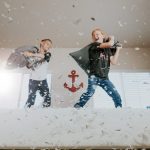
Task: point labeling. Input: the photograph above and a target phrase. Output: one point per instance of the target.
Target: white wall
(62, 64)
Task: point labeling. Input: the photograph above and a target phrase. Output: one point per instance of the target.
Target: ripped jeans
(42, 86)
(106, 84)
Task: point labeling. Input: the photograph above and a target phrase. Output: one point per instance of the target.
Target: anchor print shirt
(99, 61)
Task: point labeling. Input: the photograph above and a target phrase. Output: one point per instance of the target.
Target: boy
(38, 76)
(100, 57)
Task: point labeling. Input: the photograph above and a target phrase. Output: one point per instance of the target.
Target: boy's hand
(28, 54)
(119, 46)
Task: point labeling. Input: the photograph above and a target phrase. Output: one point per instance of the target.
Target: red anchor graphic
(73, 75)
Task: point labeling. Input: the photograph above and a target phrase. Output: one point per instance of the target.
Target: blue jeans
(42, 87)
(106, 84)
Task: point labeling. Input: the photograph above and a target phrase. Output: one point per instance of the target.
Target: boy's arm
(30, 54)
(108, 44)
(114, 58)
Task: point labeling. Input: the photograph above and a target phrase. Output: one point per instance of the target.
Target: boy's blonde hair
(98, 29)
(45, 40)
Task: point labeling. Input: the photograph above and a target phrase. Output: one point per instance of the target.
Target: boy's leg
(108, 86)
(33, 87)
(44, 92)
(88, 94)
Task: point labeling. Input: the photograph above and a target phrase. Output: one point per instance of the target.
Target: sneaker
(45, 105)
(77, 105)
(27, 106)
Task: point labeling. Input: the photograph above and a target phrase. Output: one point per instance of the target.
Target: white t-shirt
(40, 72)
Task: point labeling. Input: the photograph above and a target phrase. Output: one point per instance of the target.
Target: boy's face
(97, 35)
(46, 45)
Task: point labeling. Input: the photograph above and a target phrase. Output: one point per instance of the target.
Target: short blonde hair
(45, 40)
(98, 29)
